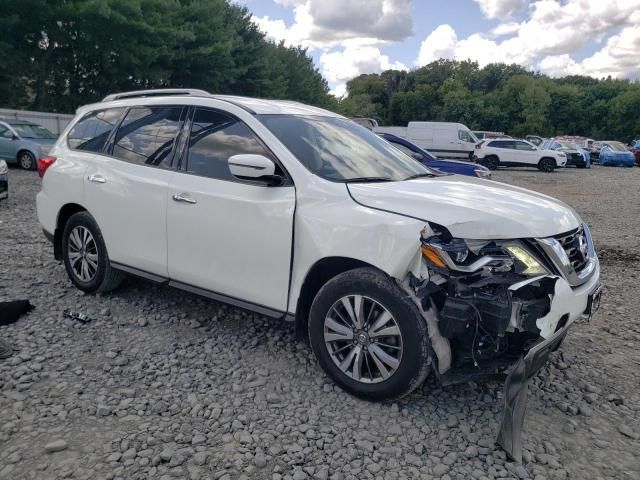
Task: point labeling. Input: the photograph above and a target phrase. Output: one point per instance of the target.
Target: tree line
(56, 55)
(59, 54)
(499, 97)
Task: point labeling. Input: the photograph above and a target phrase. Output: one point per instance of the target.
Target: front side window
(214, 138)
(147, 135)
(404, 149)
(524, 146)
(92, 131)
(339, 150)
(5, 132)
(466, 136)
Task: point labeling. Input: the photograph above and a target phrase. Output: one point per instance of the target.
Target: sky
(558, 37)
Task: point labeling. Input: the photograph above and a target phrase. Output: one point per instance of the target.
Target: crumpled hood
(471, 208)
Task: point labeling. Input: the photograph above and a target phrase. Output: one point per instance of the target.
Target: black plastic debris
(11, 311)
(80, 317)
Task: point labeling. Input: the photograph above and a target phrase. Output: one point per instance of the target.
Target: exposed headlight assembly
(3, 168)
(469, 256)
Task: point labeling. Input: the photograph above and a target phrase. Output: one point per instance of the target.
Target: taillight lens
(44, 163)
(478, 146)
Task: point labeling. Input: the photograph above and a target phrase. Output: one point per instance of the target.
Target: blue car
(24, 142)
(615, 153)
(447, 166)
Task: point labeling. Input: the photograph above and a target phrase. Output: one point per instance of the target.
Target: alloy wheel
(363, 339)
(83, 253)
(26, 161)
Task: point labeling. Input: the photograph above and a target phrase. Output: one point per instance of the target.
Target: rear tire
(491, 162)
(380, 354)
(547, 165)
(85, 255)
(27, 161)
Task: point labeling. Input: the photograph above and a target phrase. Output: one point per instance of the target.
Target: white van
(443, 139)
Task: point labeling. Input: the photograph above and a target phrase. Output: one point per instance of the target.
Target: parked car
(448, 166)
(534, 139)
(297, 213)
(482, 134)
(616, 153)
(443, 139)
(576, 156)
(635, 149)
(517, 153)
(4, 180)
(23, 142)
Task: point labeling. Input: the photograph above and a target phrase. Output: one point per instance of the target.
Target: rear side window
(214, 138)
(147, 135)
(502, 144)
(92, 131)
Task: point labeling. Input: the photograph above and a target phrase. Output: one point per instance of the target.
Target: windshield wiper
(368, 179)
(421, 175)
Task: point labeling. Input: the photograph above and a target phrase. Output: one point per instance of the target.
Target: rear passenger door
(126, 186)
(229, 239)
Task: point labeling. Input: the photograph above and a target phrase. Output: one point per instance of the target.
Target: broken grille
(574, 244)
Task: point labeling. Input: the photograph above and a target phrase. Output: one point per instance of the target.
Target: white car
(517, 153)
(392, 270)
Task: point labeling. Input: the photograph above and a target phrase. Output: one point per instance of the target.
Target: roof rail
(160, 92)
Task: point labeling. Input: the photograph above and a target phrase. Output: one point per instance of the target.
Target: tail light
(478, 145)
(44, 163)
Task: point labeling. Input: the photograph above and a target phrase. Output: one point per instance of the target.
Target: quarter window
(92, 131)
(214, 138)
(147, 135)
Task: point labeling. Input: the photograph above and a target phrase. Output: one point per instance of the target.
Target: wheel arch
(64, 215)
(318, 275)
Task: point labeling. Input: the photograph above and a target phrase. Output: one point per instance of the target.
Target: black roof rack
(160, 92)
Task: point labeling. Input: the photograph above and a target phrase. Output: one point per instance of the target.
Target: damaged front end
(488, 303)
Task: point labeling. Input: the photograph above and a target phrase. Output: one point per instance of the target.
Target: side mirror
(14, 136)
(417, 156)
(254, 167)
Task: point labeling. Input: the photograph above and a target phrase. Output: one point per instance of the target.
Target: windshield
(27, 130)
(617, 146)
(339, 150)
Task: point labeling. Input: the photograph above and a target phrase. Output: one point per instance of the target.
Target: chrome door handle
(97, 179)
(184, 197)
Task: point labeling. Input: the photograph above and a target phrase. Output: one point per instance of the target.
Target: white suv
(517, 153)
(391, 269)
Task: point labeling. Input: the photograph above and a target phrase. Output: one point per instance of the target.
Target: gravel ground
(163, 384)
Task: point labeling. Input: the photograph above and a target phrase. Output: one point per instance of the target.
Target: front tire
(547, 165)
(26, 160)
(85, 255)
(368, 336)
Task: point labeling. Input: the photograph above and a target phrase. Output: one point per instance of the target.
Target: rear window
(92, 131)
